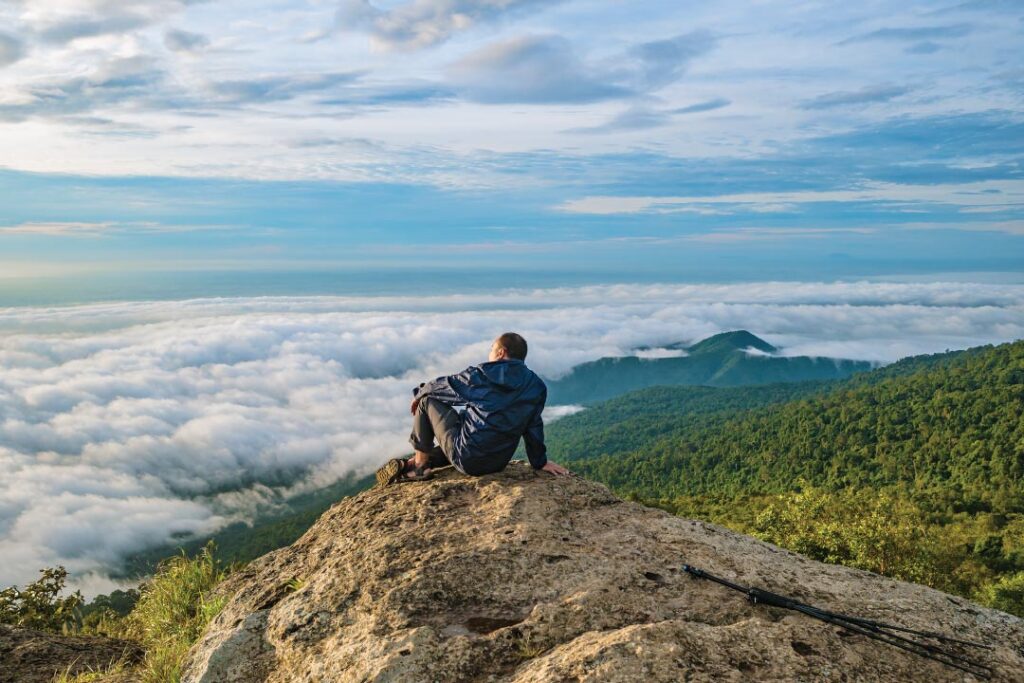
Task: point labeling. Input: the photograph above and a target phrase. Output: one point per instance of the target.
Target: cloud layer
(124, 424)
(240, 81)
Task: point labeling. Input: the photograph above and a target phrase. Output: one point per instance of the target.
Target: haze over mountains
(728, 359)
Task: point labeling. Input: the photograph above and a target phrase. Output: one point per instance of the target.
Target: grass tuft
(173, 611)
(527, 649)
(91, 674)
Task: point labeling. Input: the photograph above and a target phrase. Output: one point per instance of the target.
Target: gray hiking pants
(435, 419)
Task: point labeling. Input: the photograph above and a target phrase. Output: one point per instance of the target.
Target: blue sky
(812, 139)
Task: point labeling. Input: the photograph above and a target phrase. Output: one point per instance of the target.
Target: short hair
(514, 345)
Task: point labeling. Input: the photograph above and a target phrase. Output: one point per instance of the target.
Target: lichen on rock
(521, 576)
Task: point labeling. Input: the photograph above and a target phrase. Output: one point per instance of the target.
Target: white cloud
(658, 353)
(422, 23)
(558, 412)
(123, 423)
(976, 194)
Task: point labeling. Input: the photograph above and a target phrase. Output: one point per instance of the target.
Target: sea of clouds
(124, 424)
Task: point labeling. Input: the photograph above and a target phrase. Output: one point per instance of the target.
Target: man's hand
(555, 469)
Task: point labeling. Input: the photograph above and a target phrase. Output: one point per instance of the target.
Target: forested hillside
(642, 418)
(953, 431)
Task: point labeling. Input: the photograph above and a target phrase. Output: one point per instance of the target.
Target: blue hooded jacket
(504, 400)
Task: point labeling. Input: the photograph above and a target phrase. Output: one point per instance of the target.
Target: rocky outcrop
(521, 576)
(28, 656)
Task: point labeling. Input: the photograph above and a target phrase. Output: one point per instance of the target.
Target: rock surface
(521, 576)
(28, 656)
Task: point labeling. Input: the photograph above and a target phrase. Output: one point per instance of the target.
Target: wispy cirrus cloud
(280, 88)
(640, 117)
(1013, 227)
(707, 105)
(740, 235)
(634, 118)
(100, 229)
(912, 33)
(964, 195)
(867, 95)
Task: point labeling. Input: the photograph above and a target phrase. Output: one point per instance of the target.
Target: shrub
(1006, 594)
(39, 606)
(876, 531)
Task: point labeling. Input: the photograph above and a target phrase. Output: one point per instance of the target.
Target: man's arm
(536, 451)
(450, 389)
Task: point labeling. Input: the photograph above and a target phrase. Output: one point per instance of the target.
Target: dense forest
(640, 418)
(952, 433)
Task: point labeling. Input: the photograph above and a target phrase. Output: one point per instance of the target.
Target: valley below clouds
(125, 425)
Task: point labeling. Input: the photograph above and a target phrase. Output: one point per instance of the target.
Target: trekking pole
(869, 623)
(875, 630)
(926, 650)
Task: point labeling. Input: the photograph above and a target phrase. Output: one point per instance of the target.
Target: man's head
(508, 345)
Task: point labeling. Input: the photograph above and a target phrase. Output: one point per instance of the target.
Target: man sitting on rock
(503, 399)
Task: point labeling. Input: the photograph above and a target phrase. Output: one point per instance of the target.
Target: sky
(702, 141)
(124, 425)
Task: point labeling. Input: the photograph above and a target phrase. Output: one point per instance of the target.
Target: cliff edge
(520, 576)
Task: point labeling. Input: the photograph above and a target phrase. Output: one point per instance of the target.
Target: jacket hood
(507, 374)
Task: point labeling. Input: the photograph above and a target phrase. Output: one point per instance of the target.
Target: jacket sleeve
(451, 389)
(536, 451)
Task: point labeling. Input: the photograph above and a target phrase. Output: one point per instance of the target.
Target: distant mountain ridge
(722, 360)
